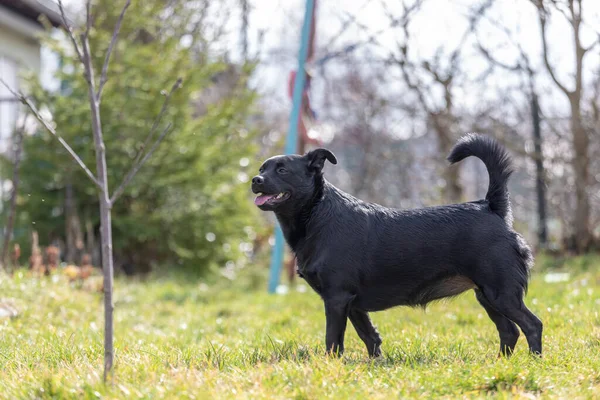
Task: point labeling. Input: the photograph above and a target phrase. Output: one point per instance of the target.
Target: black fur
(361, 257)
(498, 164)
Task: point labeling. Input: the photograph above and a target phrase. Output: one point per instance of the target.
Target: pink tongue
(260, 200)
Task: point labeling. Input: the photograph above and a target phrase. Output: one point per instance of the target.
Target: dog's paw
(335, 352)
(375, 353)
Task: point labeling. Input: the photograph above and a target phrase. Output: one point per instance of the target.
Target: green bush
(189, 203)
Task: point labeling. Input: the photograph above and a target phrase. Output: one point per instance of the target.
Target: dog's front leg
(336, 314)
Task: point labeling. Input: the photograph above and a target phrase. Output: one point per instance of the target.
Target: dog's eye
(281, 171)
(261, 170)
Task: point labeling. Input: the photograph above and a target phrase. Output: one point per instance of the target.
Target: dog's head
(286, 183)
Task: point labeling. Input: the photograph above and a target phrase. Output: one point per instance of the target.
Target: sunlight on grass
(177, 339)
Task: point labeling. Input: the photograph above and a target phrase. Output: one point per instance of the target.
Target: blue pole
(292, 137)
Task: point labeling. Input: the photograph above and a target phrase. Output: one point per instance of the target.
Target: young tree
(426, 78)
(96, 84)
(188, 206)
(375, 162)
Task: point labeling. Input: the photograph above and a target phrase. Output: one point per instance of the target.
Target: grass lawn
(182, 339)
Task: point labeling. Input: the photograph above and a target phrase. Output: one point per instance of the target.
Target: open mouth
(262, 199)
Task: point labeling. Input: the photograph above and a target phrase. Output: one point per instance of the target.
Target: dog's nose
(258, 180)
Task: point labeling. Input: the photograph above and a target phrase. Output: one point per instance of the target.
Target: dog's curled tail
(498, 164)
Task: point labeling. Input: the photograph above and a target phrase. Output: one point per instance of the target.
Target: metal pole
(292, 137)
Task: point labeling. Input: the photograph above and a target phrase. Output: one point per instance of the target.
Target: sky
(440, 23)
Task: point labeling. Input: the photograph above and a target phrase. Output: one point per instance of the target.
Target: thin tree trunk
(107, 270)
(581, 169)
(581, 140)
(105, 212)
(244, 28)
(539, 173)
(106, 238)
(13, 197)
(101, 178)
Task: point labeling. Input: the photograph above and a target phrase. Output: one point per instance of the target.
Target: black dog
(362, 257)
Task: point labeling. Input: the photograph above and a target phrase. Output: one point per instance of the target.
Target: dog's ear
(316, 159)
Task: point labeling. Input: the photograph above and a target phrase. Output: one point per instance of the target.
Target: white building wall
(19, 52)
(18, 40)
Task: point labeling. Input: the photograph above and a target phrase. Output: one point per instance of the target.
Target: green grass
(178, 339)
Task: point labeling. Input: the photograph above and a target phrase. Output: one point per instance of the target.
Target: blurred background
(393, 84)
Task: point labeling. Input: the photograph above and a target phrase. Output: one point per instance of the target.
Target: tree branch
(50, 129)
(69, 30)
(175, 86)
(113, 41)
(140, 158)
(542, 18)
(591, 46)
(563, 12)
(414, 86)
(135, 168)
(494, 61)
(523, 64)
(88, 18)
(579, 49)
(88, 68)
(404, 62)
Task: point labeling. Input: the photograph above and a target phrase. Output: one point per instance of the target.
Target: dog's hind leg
(511, 305)
(508, 331)
(366, 331)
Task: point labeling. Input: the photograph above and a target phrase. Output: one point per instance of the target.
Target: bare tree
(361, 121)
(95, 87)
(593, 120)
(579, 134)
(371, 141)
(425, 78)
(523, 67)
